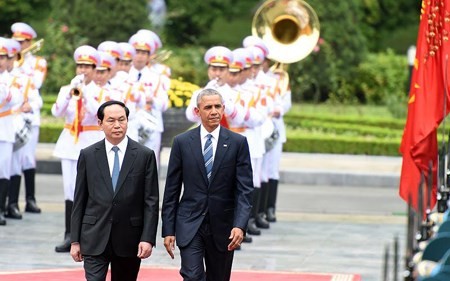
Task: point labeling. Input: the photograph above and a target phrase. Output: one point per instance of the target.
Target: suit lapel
(102, 162)
(222, 148)
(128, 160)
(196, 147)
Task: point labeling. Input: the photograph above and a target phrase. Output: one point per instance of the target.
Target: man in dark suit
(209, 221)
(116, 205)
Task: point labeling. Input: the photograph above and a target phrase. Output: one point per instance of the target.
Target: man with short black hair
(116, 204)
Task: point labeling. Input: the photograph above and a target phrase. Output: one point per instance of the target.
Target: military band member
(155, 64)
(282, 106)
(155, 87)
(218, 59)
(126, 59)
(272, 157)
(77, 103)
(32, 65)
(9, 98)
(113, 49)
(131, 94)
(256, 101)
(24, 113)
(250, 99)
(36, 68)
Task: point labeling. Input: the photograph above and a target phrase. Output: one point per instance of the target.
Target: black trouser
(122, 268)
(202, 247)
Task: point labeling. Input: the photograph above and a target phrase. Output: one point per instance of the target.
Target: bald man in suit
(116, 205)
(208, 223)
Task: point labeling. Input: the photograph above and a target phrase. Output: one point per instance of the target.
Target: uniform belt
(84, 128)
(6, 113)
(238, 129)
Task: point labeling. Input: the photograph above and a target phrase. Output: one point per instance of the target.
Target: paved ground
(321, 228)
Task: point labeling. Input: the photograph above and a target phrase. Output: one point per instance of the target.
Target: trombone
(35, 47)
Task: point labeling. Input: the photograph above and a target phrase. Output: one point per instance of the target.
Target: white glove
(77, 81)
(229, 106)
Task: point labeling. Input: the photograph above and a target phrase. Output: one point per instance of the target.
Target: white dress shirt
(214, 139)
(110, 153)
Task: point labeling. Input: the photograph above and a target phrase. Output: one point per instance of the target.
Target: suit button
(203, 214)
(110, 220)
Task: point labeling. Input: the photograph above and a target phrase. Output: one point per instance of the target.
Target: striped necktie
(208, 155)
(116, 168)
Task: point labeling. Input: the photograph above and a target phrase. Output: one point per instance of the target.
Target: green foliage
(391, 24)
(101, 20)
(50, 132)
(321, 143)
(347, 129)
(18, 10)
(296, 120)
(381, 79)
(340, 50)
(189, 21)
(187, 63)
(60, 44)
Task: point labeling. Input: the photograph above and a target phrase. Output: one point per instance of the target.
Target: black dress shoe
(252, 229)
(64, 247)
(12, 212)
(270, 215)
(261, 222)
(2, 219)
(247, 239)
(32, 207)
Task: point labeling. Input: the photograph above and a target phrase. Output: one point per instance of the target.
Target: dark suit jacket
(227, 198)
(128, 215)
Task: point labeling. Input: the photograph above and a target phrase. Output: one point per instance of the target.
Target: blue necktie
(116, 168)
(208, 155)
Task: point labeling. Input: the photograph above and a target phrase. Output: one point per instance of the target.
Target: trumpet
(161, 56)
(76, 92)
(33, 48)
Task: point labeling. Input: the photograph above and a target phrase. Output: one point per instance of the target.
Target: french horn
(290, 29)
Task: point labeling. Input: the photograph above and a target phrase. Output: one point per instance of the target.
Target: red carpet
(169, 274)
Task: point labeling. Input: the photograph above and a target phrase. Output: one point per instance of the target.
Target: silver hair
(208, 92)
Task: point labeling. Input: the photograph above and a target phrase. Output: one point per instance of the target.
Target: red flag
(426, 99)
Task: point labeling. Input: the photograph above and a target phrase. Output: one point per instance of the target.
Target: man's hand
(75, 252)
(236, 237)
(169, 243)
(26, 107)
(276, 113)
(144, 250)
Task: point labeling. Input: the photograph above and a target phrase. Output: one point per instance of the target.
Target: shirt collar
(204, 132)
(122, 145)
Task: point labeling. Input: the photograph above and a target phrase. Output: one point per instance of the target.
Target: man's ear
(197, 111)
(100, 124)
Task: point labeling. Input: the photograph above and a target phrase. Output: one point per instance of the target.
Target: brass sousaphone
(290, 29)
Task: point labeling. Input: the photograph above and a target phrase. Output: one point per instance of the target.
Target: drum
(269, 133)
(147, 123)
(22, 125)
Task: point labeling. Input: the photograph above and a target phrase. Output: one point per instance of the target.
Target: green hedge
(345, 129)
(293, 118)
(319, 143)
(50, 132)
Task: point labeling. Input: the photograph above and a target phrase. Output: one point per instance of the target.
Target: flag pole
(444, 188)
